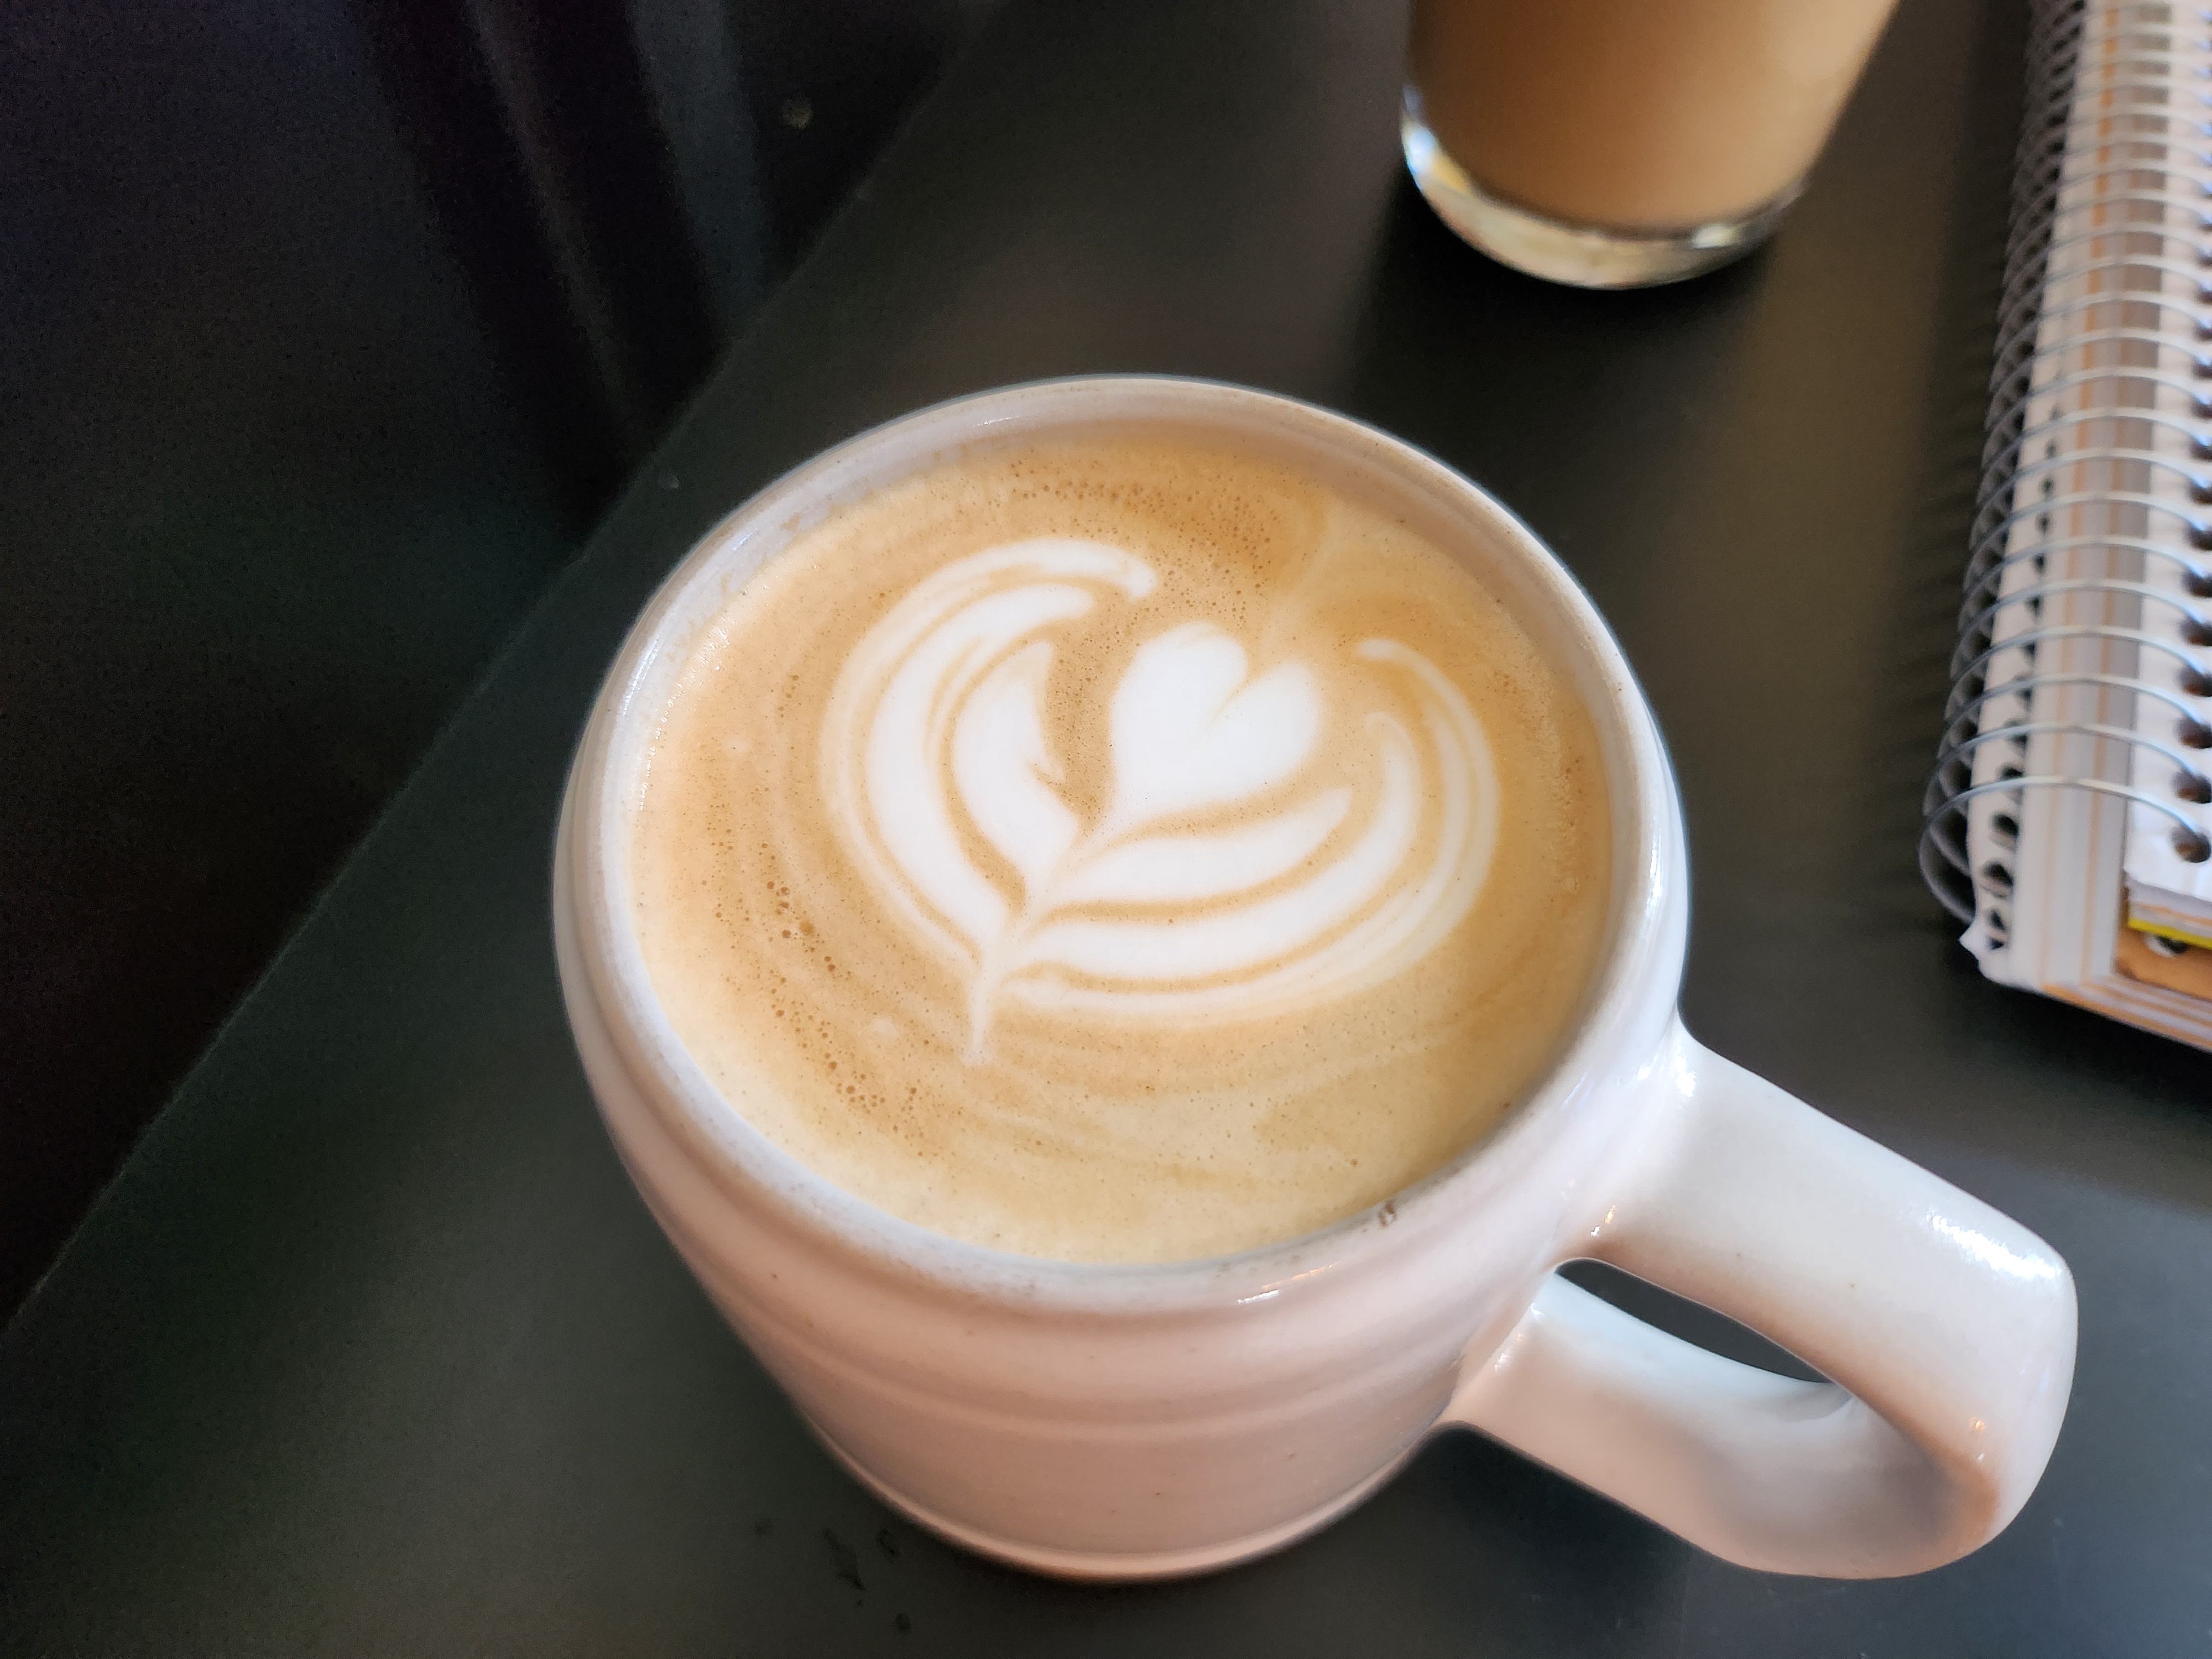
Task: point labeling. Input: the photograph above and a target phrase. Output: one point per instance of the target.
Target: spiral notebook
(2070, 815)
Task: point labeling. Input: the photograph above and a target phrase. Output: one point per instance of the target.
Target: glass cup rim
(594, 859)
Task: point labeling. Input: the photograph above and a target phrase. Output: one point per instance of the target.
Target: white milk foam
(939, 713)
(1116, 849)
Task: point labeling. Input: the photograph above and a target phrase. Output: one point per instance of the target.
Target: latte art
(935, 735)
(1118, 849)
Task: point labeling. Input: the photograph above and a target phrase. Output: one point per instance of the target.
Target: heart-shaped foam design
(1189, 732)
(1169, 903)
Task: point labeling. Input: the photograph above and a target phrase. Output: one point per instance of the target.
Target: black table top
(371, 1348)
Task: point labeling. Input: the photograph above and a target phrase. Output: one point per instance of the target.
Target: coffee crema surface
(1118, 849)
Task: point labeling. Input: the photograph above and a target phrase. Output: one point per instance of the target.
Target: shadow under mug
(1145, 1421)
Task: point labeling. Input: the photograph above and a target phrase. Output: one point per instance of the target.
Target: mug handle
(1948, 1328)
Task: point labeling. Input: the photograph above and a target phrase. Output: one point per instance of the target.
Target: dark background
(327, 329)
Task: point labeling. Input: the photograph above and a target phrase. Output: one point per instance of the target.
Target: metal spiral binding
(2160, 120)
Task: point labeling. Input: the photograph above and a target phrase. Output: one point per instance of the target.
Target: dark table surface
(371, 1349)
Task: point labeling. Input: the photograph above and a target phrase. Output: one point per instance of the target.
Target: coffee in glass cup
(1615, 143)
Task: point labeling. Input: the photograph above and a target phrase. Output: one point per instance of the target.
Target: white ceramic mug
(1125, 1422)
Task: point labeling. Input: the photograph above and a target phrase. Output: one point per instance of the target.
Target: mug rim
(590, 860)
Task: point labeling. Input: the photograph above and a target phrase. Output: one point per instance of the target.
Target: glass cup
(1618, 143)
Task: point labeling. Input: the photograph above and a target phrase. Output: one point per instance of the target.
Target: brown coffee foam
(845, 1038)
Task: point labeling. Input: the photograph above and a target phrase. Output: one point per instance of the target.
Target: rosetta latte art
(1228, 875)
(1119, 848)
